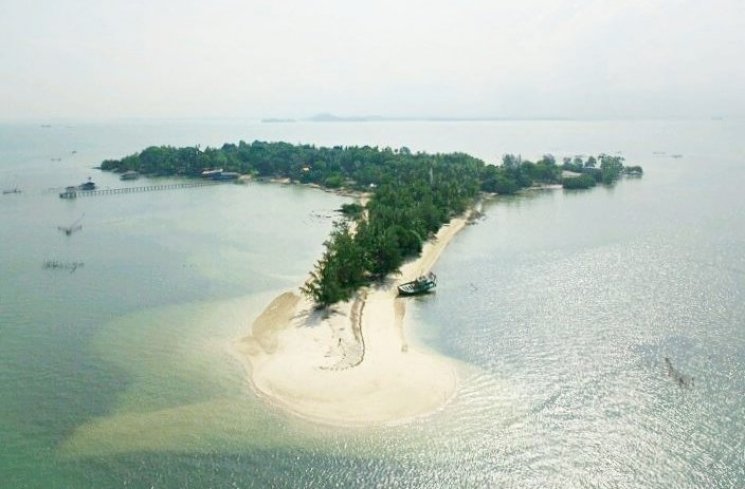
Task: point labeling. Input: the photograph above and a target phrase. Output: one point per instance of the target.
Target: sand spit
(351, 366)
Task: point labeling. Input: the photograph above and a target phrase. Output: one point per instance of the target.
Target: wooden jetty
(74, 192)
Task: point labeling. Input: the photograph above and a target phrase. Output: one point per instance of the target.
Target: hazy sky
(468, 58)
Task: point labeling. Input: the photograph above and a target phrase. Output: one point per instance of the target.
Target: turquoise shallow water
(560, 305)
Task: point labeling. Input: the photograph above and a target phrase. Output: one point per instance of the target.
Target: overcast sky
(467, 58)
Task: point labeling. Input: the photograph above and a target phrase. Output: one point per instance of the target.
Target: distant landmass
(328, 117)
(277, 119)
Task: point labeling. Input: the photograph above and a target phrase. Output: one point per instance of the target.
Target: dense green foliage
(581, 182)
(353, 210)
(636, 171)
(358, 167)
(340, 271)
(405, 209)
(610, 170)
(355, 167)
(413, 194)
(515, 174)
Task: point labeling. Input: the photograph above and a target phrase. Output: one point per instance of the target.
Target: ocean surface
(561, 307)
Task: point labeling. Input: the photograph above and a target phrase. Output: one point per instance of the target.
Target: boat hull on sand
(421, 285)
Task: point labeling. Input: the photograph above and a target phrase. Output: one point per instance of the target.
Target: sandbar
(351, 365)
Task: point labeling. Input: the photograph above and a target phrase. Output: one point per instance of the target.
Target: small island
(409, 195)
(338, 353)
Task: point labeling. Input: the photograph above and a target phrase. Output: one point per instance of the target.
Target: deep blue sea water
(561, 307)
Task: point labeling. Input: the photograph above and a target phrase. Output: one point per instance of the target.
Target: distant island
(340, 354)
(326, 117)
(329, 117)
(275, 120)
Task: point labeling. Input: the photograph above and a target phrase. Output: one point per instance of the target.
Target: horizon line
(331, 118)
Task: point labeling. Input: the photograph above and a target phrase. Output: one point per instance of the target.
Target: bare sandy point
(352, 366)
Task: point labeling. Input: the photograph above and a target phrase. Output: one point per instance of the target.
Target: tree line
(413, 194)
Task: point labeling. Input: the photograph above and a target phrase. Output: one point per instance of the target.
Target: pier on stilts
(74, 192)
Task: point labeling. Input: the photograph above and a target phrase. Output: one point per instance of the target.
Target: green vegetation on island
(578, 182)
(412, 194)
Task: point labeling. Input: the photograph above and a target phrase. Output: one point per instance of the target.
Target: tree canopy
(413, 194)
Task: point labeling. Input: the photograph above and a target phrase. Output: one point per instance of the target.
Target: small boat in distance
(129, 175)
(421, 285)
(14, 190)
(89, 185)
(209, 173)
(71, 192)
(225, 175)
(220, 175)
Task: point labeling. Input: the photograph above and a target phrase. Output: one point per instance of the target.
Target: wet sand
(352, 365)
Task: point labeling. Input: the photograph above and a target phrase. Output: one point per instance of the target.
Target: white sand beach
(352, 366)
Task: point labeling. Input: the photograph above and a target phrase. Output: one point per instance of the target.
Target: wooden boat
(421, 285)
(72, 192)
(226, 175)
(89, 185)
(209, 173)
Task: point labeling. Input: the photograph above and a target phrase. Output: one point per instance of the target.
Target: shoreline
(350, 366)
